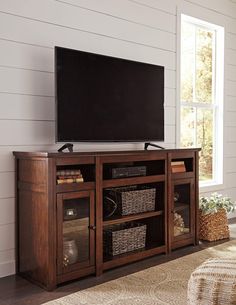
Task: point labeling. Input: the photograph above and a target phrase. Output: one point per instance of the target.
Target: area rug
(165, 284)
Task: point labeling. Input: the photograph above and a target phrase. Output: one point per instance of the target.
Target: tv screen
(101, 98)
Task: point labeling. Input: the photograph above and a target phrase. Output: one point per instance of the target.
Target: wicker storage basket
(213, 226)
(131, 200)
(123, 238)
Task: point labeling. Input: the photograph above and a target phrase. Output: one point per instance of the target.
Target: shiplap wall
(142, 30)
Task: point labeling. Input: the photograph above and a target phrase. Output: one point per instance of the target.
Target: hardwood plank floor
(15, 290)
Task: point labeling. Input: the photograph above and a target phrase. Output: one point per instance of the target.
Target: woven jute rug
(165, 284)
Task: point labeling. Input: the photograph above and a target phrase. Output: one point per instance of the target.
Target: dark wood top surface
(55, 154)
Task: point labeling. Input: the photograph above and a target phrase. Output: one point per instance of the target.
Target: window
(201, 95)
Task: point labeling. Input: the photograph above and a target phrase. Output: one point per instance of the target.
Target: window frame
(217, 96)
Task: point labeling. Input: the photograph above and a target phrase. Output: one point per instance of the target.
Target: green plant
(212, 204)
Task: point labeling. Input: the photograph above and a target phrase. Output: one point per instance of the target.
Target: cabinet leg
(99, 271)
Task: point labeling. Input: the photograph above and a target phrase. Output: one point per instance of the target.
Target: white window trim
(218, 182)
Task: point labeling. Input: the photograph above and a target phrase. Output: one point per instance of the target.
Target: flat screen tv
(106, 99)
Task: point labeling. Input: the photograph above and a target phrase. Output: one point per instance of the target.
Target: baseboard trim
(7, 268)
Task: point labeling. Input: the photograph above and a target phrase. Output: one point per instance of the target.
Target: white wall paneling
(59, 14)
(230, 165)
(230, 73)
(225, 8)
(50, 35)
(170, 115)
(7, 236)
(7, 214)
(230, 40)
(230, 103)
(141, 30)
(230, 134)
(26, 132)
(7, 180)
(230, 118)
(230, 88)
(26, 56)
(131, 11)
(230, 149)
(26, 82)
(7, 255)
(170, 97)
(168, 6)
(230, 56)
(230, 180)
(27, 107)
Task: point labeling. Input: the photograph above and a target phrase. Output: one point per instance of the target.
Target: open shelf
(73, 187)
(86, 172)
(138, 168)
(154, 239)
(133, 202)
(111, 262)
(122, 219)
(188, 166)
(182, 175)
(180, 206)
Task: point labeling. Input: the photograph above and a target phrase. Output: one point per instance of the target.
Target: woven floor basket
(213, 226)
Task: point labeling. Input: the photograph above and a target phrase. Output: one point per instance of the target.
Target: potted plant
(213, 222)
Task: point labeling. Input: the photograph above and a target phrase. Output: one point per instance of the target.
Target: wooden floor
(16, 291)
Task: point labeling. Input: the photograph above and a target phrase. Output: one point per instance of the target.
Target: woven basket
(213, 226)
(131, 200)
(124, 238)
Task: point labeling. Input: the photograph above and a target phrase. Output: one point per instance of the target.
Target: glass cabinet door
(75, 230)
(182, 208)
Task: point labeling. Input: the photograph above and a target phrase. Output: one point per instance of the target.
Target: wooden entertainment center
(69, 230)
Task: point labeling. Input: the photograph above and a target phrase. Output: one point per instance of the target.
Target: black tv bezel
(102, 141)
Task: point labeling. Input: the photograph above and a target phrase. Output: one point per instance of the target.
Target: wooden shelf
(125, 258)
(122, 219)
(178, 206)
(73, 187)
(182, 175)
(132, 181)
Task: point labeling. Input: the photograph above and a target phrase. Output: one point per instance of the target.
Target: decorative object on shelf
(70, 252)
(70, 213)
(124, 238)
(69, 176)
(178, 167)
(129, 171)
(65, 260)
(132, 200)
(109, 207)
(178, 224)
(176, 196)
(213, 222)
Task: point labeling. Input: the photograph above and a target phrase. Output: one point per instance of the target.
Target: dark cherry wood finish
(40, 199)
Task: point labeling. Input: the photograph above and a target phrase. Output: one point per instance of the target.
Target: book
(69, 180)
(69, 176)
(178, 167)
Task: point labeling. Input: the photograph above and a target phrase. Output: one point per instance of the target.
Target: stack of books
(69, 176)
(178, 167)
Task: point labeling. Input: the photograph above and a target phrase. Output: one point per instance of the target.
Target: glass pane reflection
(75, 230)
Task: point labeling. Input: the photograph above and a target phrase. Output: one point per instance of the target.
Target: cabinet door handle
(92, 227)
